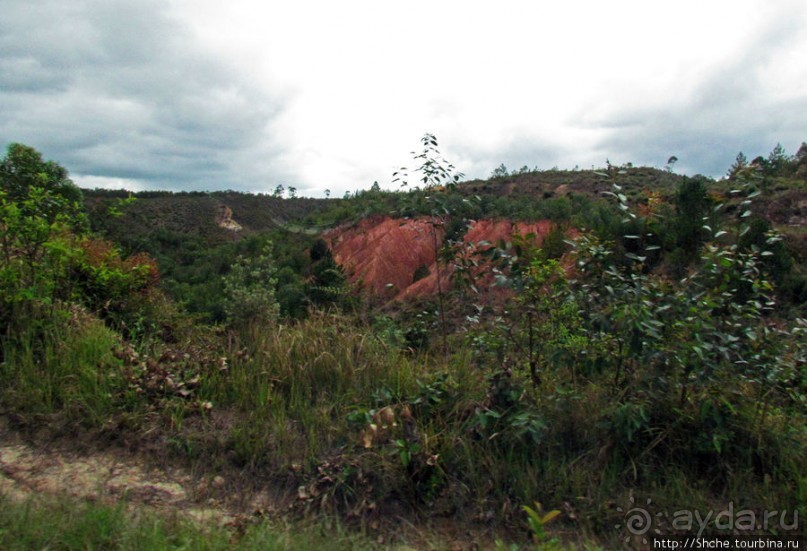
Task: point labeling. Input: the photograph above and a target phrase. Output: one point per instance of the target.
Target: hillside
(524, 196)
(446, 360)
(198, 214)
(172, 226)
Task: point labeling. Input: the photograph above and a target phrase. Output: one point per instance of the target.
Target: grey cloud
(26, 74)
(729, 111)
(523, 149)
(120, 89)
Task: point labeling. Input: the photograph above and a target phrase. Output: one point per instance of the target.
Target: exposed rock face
(383, 254)
(224, 219)
(395, 258)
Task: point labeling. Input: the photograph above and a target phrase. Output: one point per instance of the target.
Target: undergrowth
(66, 525)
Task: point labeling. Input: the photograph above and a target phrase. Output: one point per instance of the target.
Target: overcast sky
(249, 94)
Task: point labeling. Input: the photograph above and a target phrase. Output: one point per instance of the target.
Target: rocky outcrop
(383, 254)
(224, 219)
(395, 258)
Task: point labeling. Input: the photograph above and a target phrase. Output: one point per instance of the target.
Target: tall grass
(66, 525)
(294, 385)
(66, 367)
(295, 402)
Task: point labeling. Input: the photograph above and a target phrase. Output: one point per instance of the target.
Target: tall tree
(778, 160)
(23, 170)
(801, 161)
(740, 163)
(692, 204)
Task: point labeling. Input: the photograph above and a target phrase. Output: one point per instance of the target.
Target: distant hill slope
(548, 183)
(168, 224)
(511, 196)
(213, 217)
(198, 213)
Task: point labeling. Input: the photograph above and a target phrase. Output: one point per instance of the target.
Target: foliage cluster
(49, 258)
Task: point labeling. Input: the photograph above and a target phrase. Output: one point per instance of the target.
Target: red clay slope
(383, 254)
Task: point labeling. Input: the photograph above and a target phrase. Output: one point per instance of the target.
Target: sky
(252, 94)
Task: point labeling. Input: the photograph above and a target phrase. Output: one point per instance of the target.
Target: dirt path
(28, 471)
(109, 477)
(24, 471)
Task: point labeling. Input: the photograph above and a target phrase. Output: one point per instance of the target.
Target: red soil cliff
(385, 254)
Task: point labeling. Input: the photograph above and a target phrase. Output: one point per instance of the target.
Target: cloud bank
(119, 91)
(200, 94)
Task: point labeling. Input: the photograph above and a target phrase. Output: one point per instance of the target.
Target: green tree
(499, 172)
(801, 161)
(39, 205)
(778, 160)
(552, 315)
(739, 165)
(761, 237)
(692, 204)
(319, 250)
(49, 259)
(249, 289)
(328, 281)
(439, 179)
(23, 170)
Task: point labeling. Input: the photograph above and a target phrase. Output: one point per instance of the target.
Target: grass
(64, 525)
(293, 386)
(368, 430)
(68, 367)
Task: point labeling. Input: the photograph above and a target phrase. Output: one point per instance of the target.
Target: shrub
(250, 290)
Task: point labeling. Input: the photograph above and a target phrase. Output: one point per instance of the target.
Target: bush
(250, 290)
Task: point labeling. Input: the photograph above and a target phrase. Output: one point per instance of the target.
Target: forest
(646, 346)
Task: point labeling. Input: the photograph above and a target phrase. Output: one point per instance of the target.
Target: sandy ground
(30, 470)
(27, 471)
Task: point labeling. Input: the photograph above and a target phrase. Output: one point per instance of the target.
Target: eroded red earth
(395, 257)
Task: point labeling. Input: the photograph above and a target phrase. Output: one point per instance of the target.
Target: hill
(196, 235)
(648, 344)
